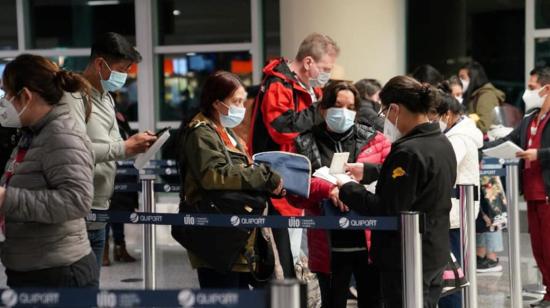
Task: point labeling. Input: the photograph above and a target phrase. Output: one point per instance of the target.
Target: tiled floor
(174, 271)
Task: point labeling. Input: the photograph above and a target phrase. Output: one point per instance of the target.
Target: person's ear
(545, 90)
(25, 96)
(308, 61)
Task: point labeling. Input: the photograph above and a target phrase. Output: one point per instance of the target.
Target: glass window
(542, 14)
(542, 51)
(59, 23)
(183, 76)
(203, 22)
(8, 25)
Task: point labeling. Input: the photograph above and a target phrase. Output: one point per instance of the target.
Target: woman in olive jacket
(206, 167)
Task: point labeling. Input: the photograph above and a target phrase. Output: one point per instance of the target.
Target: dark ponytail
(42, 76)
(407, 91)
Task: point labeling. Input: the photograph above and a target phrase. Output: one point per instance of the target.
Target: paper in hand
(506, 150)
(338, 163)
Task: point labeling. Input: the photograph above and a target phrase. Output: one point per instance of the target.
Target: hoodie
(466, 139)
(482, 102)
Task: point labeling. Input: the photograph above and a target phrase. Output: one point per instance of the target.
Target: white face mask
(465, 84)
(339, 120)
(532, 99)
(234, 116)
(460, 99)
(390, 131)
(9, 117)
(321, 80)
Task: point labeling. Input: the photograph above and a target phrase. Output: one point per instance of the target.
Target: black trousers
(391, 288)
(81, 274)
(345, 264)
(211, 279)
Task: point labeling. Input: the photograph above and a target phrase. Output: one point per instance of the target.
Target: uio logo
(134, 217)
(343, 222)
(9, 298)
(186, 298)
(235, 221)
(167, 188)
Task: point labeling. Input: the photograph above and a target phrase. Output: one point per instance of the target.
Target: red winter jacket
(374, 152)
(283, 109)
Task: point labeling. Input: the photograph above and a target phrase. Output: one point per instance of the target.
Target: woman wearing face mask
(47, 187)
(418, 175)
(480, 96)
(346, 253)
(455, 86)
(212, 158)
(466, 139)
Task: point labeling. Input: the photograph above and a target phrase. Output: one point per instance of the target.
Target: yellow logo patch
(397, 172)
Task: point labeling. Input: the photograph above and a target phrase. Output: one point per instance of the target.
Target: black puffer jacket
(368, 115)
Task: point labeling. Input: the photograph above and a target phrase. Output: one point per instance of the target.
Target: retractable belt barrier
(133, 298)
(248, 221)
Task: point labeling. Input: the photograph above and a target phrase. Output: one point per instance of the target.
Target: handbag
(493, 203)
(219, 247)
(453, 277)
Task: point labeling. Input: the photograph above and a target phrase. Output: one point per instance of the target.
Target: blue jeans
(453, 300)
(97, 241)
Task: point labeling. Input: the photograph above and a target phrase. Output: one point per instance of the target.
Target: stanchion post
(512, 193)
(468, 246)
(411, 257)
(285, 293)
(148, 258)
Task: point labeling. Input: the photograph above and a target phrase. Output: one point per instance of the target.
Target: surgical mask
(321, 79)
(442, 125)
(9, 117)
(234, 116)
(532, 99)
(390, 131)
(339, 120)
(460, 99)
(115, 82)
(465, 84)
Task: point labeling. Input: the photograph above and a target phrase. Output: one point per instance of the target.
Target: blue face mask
(339, 120)
(234, 116)
(115, 82)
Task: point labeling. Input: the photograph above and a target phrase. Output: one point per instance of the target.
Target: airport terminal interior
(182, 42)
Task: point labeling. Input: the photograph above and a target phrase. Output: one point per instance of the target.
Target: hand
(528, 155)
(2, 195)
(334, 197)
(355, 170)
(139, 143)
(280, 190)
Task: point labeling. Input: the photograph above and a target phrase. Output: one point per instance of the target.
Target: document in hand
(295, 170)
(143, 159)
(506, 150)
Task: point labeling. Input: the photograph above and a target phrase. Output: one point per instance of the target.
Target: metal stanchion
(149, 237)
(285, 293)
(512, 192)
(468, 243)
(411, 257)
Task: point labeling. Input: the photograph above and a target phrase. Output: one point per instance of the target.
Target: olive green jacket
(482, 102)
(205, 167)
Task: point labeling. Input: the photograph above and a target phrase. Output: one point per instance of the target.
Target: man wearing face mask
(533, 136)
(111, 58)
(285, 107)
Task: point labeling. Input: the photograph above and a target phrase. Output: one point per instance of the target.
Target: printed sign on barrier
(132, 298)
(248, 221)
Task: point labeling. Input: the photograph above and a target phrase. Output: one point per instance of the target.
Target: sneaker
(541, 303)
(485, 265)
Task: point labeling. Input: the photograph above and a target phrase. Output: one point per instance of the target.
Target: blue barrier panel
(132, 298)
(248, 221)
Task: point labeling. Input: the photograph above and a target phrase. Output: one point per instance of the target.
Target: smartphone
(160, 132)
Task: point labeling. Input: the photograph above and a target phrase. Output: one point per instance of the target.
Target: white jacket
(466, 139)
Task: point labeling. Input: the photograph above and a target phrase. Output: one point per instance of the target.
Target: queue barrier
(89, 297)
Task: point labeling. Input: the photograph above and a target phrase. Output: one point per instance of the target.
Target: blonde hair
(317, 45)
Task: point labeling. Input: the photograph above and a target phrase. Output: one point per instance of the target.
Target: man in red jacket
(284, 108)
